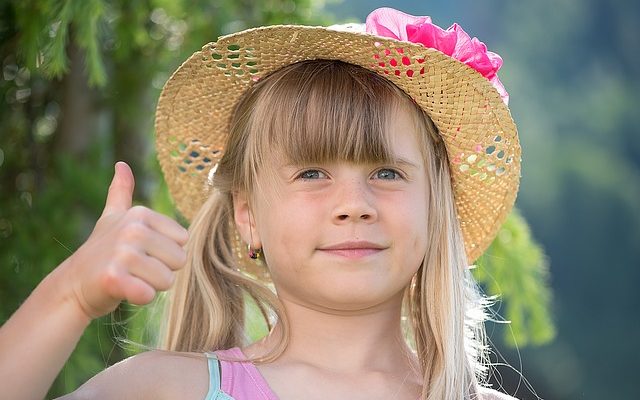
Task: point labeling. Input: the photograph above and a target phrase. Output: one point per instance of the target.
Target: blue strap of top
(214, 380)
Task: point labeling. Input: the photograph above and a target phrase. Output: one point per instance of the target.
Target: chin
(356, 299)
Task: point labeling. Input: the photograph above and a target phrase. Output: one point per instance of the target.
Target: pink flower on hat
(453, 41)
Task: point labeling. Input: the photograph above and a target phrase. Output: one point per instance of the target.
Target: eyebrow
(403, 162)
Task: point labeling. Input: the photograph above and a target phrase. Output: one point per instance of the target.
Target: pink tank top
(233, 380)
(229, 380)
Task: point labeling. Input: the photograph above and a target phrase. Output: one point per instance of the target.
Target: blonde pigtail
(207, 308)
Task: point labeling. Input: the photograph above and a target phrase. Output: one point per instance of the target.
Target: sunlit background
(80, 81)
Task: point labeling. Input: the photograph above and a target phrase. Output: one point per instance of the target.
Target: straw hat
(456, 86)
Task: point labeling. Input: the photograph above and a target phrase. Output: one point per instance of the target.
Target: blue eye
(383, 173)
(312, 174)
(388, 174)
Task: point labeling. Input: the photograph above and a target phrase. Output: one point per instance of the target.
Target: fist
(132, 253)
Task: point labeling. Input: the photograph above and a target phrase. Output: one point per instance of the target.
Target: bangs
(322, 111)
(316, 112)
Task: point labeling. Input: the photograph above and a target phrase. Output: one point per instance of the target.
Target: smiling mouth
(352, 253)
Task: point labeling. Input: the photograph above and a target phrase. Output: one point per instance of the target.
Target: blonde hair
(317, 111)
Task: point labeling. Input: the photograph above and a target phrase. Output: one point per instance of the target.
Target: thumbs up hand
(131, 254)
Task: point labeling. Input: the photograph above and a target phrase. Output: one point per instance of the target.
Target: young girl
(342, 179)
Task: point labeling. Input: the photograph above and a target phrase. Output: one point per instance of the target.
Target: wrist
(58, 287)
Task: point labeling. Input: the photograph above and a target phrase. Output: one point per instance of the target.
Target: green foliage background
(78, 89)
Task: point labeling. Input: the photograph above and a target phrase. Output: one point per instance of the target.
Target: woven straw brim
(195, 107)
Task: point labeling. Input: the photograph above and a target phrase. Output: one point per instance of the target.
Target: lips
(353, 249)
(353, 245)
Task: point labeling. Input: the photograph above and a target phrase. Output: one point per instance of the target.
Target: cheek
(282, 233)
(416, 220)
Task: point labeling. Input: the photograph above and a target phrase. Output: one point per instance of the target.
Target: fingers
(148, 245)
(161, 224)
(136, 277)
(120, 193)
(154, 273)
(147, 254)
(167, 227)
(135, 290)
(138, 292)
(157, 245)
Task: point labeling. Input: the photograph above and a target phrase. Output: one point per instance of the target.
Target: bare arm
(153, 375)
(38, 339)
(131, 253)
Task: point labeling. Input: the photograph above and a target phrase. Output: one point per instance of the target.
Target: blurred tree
(514, 269)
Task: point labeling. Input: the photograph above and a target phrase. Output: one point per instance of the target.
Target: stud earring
(253, 253)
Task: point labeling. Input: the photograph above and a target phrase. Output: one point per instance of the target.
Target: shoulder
(492, 394)
(149, 375)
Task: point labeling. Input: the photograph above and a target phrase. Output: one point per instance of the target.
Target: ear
(245, 221)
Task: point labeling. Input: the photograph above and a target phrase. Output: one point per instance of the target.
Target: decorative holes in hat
(485, 163)
(234, 60)
(394, 61)
(194, 157)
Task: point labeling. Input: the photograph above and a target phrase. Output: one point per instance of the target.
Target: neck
(364, 340)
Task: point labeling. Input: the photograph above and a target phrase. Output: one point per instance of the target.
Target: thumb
(120, 193)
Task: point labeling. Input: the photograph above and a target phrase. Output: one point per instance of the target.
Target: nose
(354, 203)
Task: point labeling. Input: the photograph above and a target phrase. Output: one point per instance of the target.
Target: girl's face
(344, 236)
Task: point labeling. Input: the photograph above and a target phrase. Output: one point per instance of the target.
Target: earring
(253, 253)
